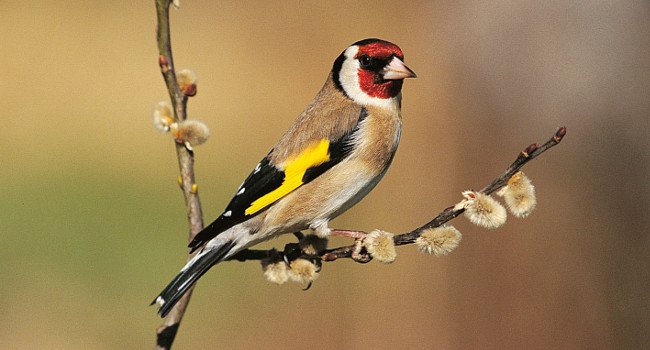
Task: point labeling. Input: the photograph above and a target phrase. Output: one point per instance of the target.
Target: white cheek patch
(349, 79)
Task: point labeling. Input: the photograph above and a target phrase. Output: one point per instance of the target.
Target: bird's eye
(365, 61)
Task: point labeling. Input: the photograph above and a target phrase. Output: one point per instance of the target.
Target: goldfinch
(335, 152)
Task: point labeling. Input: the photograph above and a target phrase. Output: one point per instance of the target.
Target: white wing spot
(257, 168)
(191, 262)
(228, 213)
(241, 191)
(186, 282)
(160, 301)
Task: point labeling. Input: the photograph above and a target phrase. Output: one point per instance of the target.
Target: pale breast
(346, 183)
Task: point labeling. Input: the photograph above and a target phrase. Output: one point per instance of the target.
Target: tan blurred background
(93, 225)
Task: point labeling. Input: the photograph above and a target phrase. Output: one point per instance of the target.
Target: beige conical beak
(396, 69)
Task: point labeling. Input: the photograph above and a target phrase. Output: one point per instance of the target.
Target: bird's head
(371, 72)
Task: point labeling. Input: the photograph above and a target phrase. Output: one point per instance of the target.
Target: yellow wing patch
(294, 171)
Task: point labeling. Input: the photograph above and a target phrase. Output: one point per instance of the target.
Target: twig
(530, 153)
(166, 333)
(352, 251)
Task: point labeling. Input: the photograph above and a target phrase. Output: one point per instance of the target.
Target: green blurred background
(93, 224)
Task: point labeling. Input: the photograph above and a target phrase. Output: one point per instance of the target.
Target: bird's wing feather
(268, 183)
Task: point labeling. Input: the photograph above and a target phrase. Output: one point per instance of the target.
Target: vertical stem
(166, 333)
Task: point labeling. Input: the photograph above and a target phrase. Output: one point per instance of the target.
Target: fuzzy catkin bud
(162, 116)
(275, 271)
(483, 210)
(519, 195)
(190, 132)
(439, 240)
(187, 82)
(381, 246)
(303, 271)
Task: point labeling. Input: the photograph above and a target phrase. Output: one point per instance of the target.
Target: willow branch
(353, 251)
(166, 333)
(531, 152)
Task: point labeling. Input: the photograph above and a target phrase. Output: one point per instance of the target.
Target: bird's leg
(349, 233)
(359, 254)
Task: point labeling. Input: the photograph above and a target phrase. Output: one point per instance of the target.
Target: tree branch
(166, 333)
(358, 254)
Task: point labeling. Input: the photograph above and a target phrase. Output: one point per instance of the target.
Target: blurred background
(93, 224)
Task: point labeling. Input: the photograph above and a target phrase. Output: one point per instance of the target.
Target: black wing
(265, 179)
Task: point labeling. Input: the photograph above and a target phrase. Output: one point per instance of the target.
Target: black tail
(199, 265)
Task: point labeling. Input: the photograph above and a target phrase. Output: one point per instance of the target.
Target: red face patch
(371, 82)
(380, 50)
(382, 89)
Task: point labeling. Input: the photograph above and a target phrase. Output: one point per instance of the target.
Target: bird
(332, 156)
